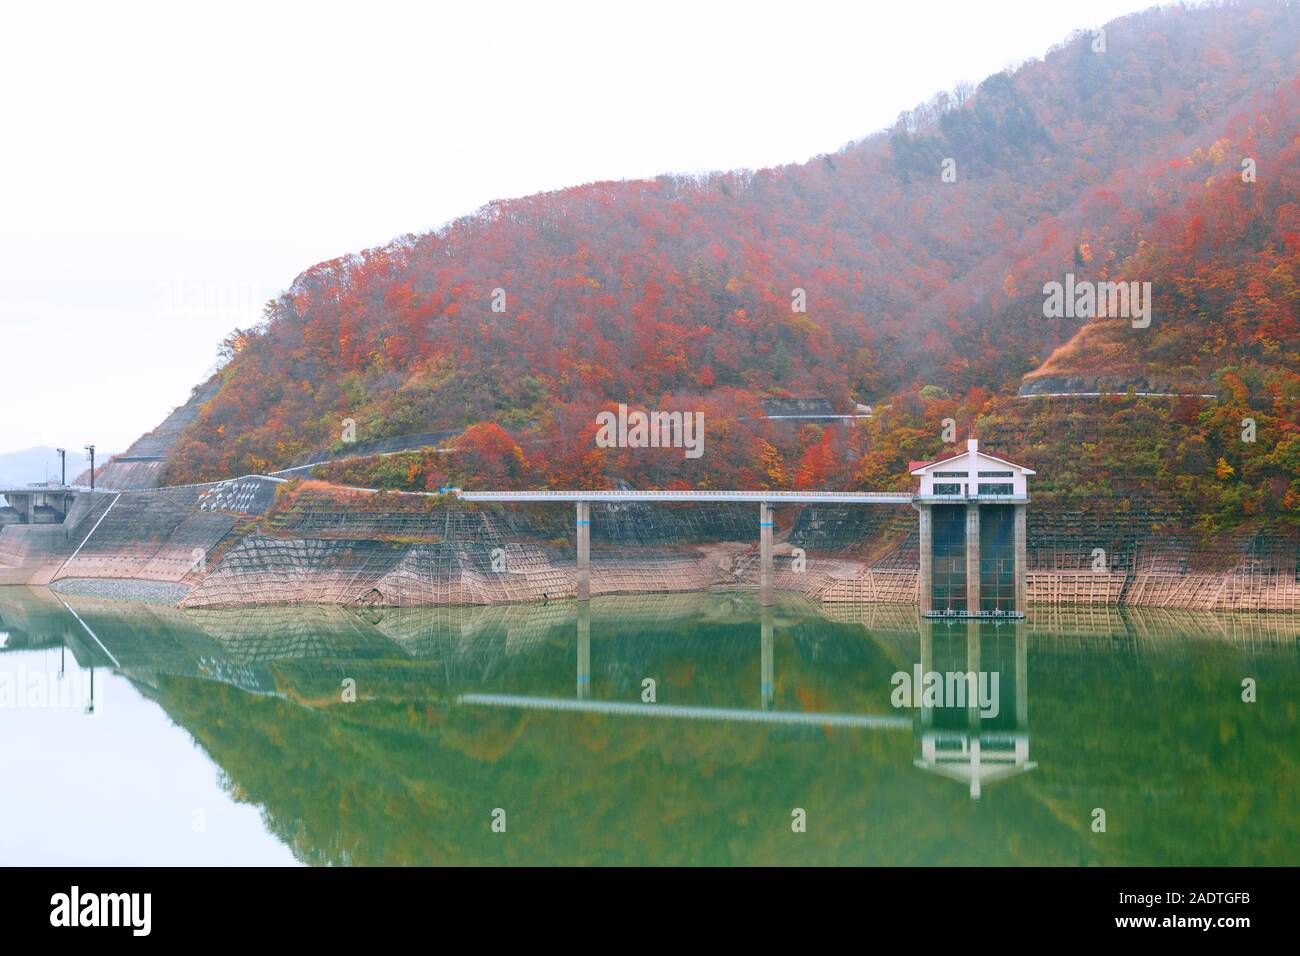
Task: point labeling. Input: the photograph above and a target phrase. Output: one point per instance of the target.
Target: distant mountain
(38, 464)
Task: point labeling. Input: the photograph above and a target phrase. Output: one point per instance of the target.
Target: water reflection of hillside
(1134, 711)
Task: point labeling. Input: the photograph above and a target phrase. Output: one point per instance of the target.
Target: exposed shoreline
(132, 590)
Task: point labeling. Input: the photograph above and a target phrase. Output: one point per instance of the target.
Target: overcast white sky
(166, 168)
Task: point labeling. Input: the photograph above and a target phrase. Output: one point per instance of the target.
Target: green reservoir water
(229, 736)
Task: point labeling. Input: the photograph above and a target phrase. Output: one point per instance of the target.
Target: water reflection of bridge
(958, 742)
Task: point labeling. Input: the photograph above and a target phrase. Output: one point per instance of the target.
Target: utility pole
(63, 466)
(90, 450)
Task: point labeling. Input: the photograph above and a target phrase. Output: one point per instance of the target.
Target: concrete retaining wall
(362, 550)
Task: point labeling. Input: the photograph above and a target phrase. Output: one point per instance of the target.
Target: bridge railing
(771, 497)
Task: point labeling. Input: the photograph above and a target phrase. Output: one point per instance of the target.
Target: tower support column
(972, 557)
(925, 576)
(1022, 561)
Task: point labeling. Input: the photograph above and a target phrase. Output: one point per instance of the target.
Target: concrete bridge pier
(765, 554)
(584, 551)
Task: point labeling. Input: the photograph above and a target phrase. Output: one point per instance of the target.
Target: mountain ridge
(678, 291)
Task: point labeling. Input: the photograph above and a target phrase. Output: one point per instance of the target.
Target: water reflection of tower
(958, 742)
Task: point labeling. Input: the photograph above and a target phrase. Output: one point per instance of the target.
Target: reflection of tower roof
(975, 759)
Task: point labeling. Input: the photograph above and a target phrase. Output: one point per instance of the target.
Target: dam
(37, 504)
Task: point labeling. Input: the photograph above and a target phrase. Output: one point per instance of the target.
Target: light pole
(90, 450)
(63, 466)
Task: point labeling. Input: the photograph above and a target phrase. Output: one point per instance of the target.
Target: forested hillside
(1114, 161)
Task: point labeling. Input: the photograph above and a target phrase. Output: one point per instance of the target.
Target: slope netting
(238, 546)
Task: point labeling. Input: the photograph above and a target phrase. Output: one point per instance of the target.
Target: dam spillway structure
(47, 503)
(972, 534)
